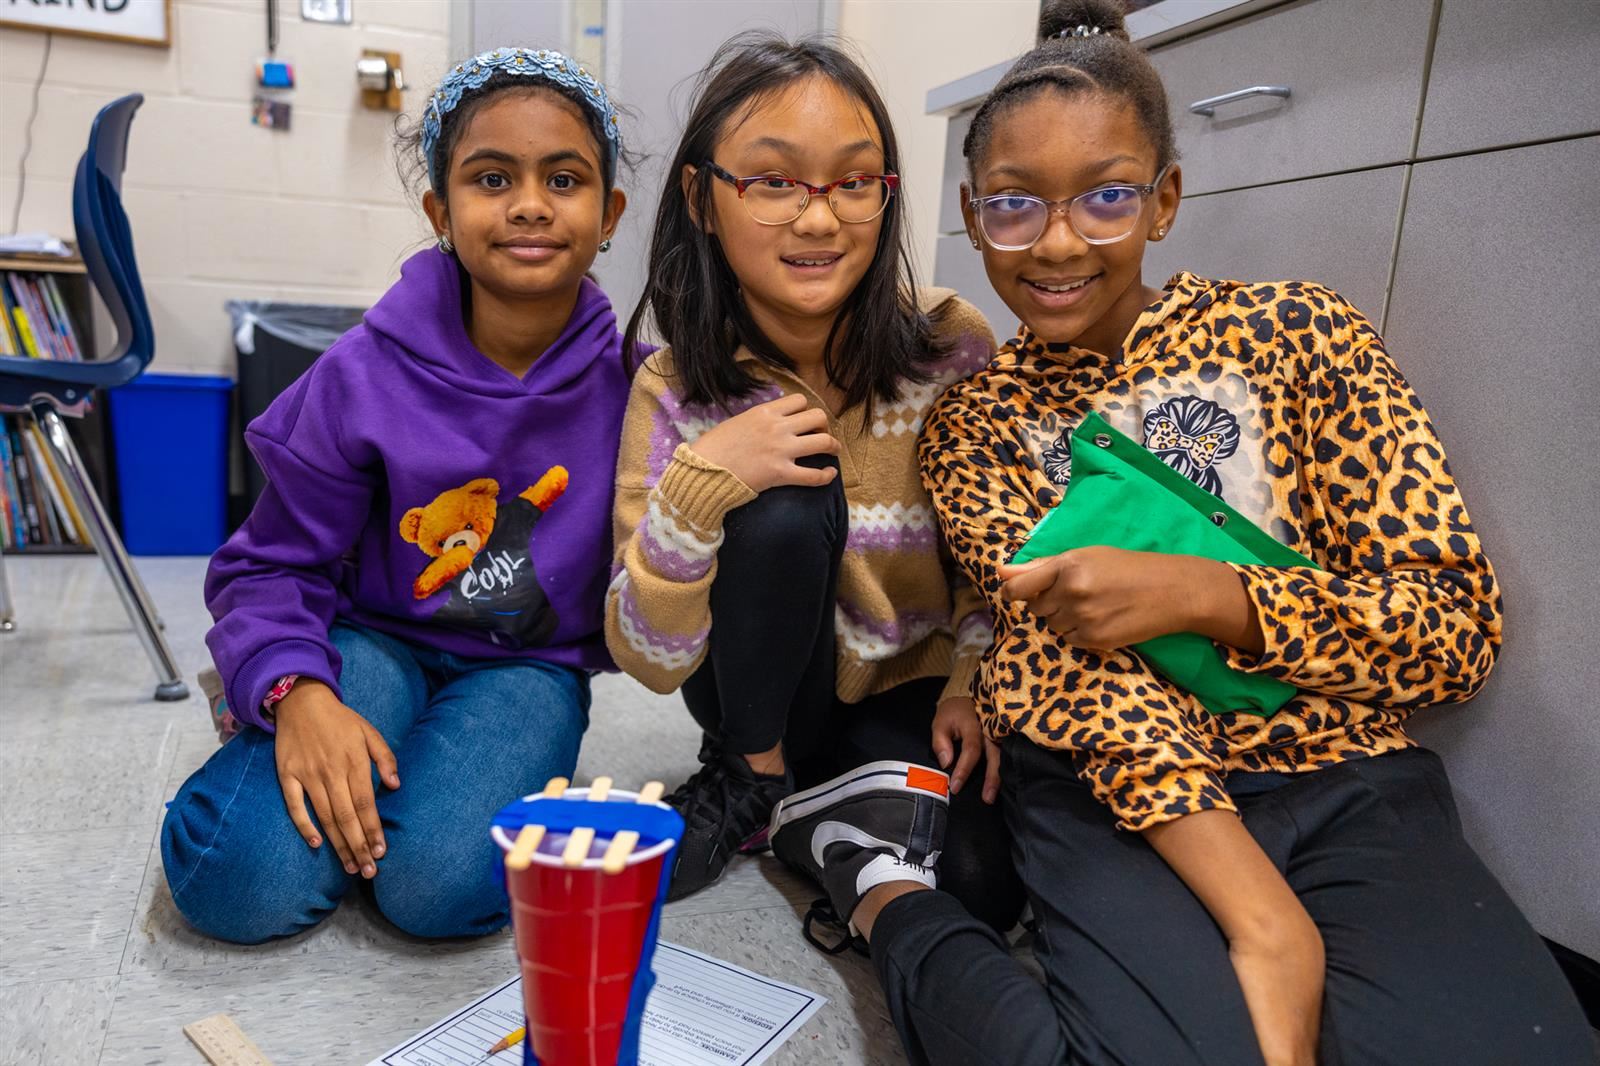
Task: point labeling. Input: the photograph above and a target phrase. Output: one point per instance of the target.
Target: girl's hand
(955, 724)
(1282, 984)
(760, 446)
(326, 751)
(1111, 598)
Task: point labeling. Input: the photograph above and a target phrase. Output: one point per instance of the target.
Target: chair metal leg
(7, 616)
(135, 599)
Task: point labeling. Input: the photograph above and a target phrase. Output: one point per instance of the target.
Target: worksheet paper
(702, 1012)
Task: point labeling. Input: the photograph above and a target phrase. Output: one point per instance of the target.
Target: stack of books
(37, 323)
(36, 510)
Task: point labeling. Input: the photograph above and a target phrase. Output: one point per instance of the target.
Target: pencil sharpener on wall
(381, 80)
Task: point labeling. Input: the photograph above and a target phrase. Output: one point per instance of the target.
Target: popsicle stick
(526, 844)
(622, 845)
(617, 852)
(578, 845)
(530, 836)
(600, 789)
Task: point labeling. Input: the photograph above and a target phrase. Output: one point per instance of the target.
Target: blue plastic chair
(47, 389)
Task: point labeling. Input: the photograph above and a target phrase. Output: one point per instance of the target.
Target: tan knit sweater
(900, 613)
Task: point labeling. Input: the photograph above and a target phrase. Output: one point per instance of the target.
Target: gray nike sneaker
(879, 823)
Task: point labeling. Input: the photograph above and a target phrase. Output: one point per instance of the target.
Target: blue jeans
(470, 735)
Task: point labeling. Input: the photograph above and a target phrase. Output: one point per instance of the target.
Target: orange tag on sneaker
(927, 780)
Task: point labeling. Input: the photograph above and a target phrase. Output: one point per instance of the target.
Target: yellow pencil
(510, 1040)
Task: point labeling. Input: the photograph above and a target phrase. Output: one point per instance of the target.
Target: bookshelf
(36, 516)
(44, 264)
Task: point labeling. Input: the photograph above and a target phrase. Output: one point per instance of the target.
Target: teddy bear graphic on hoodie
(479, 549)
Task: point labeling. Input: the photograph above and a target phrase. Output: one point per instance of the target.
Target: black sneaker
(725, 807)
(881, 822)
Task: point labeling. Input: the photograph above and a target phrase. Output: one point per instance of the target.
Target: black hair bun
(1061, 18)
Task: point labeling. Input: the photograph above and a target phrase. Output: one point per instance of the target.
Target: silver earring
(605, 245)
(1162, 232)
(444, 244)
(975, 242)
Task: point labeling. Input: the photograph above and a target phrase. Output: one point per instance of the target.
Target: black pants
(769, 677)
(1429, 961)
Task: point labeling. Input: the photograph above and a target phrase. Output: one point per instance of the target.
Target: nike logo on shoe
(829, 833)
(889, 863)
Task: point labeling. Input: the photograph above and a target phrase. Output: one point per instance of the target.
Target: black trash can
(275, 343)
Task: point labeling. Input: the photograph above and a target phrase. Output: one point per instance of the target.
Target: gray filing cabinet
(1511, 73)
(1354, 69)
(1344, 224)
(1435, 162)
(1494, 319)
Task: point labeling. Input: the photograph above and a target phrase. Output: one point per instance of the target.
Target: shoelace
(690, 797)
(687, 797)
(822, 913)
(694, 797)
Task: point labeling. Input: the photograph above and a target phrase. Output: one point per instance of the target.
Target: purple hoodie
(388, 462)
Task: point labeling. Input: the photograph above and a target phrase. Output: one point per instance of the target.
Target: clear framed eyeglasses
(1014, 221)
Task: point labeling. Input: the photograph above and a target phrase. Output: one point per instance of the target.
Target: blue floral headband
(544, 63)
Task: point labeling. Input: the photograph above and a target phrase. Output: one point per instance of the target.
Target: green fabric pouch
(1123, 496)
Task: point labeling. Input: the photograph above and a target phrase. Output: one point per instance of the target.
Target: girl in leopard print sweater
(1293, 888)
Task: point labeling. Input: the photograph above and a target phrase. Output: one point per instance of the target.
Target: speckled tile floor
(96, 966)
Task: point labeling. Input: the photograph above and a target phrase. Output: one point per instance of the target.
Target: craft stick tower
(587, 871)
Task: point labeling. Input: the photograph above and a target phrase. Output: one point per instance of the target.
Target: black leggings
(769, 677)
(1429, 962)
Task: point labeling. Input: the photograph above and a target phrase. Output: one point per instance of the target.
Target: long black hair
(879, 340)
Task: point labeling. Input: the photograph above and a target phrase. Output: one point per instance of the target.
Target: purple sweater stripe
(664, 440)
(666, 435)
(890, 540)
(968, 357)
(668, 643)
(665, 559)
(893, 630)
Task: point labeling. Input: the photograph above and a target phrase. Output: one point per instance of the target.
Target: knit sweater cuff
(962, 673)
(252, 681)
(701, 493)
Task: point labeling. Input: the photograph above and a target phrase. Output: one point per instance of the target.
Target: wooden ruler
(223, 1043)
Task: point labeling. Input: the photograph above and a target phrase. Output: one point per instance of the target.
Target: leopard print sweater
(1280, 398)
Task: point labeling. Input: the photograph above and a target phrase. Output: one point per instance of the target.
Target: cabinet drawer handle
(1209, 106)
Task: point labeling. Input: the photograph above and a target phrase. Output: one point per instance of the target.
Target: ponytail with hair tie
(1066, 19)
(1083, 47)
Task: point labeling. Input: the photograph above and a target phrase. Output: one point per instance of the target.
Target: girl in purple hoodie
(407, 622)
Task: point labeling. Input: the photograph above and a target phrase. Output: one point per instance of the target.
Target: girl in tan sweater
(777, 557)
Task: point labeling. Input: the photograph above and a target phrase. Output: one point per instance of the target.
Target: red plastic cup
(579, 932)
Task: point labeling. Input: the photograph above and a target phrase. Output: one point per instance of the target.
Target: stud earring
(444, 244)
(975, 242)
(605, 245)
(1162, 232)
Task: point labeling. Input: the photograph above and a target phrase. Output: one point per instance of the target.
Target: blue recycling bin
(171, 435)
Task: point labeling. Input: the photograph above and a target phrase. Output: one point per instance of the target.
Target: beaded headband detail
(543, 63)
